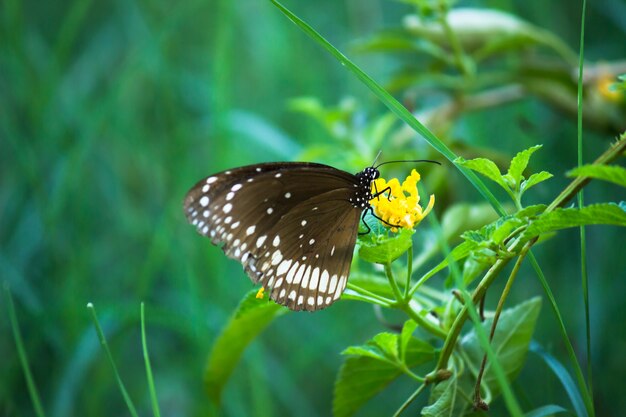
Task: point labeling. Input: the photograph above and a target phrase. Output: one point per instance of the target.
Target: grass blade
(17, 335)
(566, 380)
(146, 358)
(394, 105)
(105, 346)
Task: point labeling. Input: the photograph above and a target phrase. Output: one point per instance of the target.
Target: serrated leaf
(535, 179)
(483, 166)
(359, 379)
(510, 342)
(249, 320)
(385, 249)
(519, 164)
(373, 352)
(606, 213)
(363, 376)
(612, 173)
(388, 343)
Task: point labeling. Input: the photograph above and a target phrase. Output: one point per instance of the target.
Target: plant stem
(505, 293)
(409, 272)
(410, 400)
(19, 344)
(393, 283)
(404, 305)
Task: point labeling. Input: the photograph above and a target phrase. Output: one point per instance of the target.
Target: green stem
(505, 293)
(105, 346)
(410, 400)
(19, 344)
(409, 272)
(458, 323)
(581, 202)
(370, 296)
(146, 357)
(393, 283)
(405, 305)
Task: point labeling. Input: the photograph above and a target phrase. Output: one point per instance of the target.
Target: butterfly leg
(365, 223)
(378, 193)
(371, 210)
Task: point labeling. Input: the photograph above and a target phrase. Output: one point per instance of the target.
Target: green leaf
(249, 320)
(566, 380)
(359, 379)
(385, 248)
(443, 399)
(372, 367)
(546, 411)
(406, 335)
(484, 166)
(605, 213)
(612, 173)
(519, 164)
(535, 179)
(510, 342)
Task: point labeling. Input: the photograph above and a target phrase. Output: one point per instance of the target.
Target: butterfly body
(292, 225)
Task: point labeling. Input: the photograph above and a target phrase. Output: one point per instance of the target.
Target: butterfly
(292, 225)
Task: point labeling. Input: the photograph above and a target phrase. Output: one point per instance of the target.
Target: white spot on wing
(312, 241)
(270, 210)
(211, 180)
(250, 230)
(292, 295)
(259, 241)
(303, 223)
(283, 267)
(236, 187)
(227, 208)
(324, 281)
(230, 196)
(276, 241)
(299, 274)
(204, 201)
(277, 257)
(333, 284)
(287, 195)
(292, 272)
(314, 278)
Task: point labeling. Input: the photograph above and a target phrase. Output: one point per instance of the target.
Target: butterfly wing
(291, 225)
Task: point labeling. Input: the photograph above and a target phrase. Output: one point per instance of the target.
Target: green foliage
(513, 182)
(385, 248)
(612, 173)
(558, 219)
(372, 366)
(111, 113)
(249, 320)
(510, 342)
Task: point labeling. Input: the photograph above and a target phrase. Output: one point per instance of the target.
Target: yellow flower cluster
(400, 204)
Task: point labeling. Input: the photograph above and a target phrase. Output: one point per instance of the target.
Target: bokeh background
(110, 111)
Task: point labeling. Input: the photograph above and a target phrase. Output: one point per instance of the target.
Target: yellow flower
(259, 294)
(604, 83)
(400, 206)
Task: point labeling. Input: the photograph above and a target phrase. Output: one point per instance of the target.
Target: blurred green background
(110, 111)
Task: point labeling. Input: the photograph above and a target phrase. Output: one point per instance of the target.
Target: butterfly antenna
(408, 160)
(376, 159)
